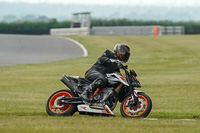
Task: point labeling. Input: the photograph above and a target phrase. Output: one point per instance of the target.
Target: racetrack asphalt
(28, 49)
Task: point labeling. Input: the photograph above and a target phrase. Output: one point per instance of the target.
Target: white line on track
(79, 44)
(155, 119)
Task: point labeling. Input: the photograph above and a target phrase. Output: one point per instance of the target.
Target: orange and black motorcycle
(120, 88)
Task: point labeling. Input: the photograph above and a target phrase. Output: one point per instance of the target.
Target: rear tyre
(54, 108)
(142, 109)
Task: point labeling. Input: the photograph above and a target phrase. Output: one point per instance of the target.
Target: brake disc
(138, 108)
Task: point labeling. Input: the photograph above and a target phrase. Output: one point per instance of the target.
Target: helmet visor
(125, 57)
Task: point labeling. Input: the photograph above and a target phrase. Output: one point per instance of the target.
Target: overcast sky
(117, 2)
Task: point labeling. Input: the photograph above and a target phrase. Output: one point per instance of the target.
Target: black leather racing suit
(97, 73)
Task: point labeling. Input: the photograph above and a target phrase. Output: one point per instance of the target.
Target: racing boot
(86, 94)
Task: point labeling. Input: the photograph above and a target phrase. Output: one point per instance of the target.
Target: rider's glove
(117, 62)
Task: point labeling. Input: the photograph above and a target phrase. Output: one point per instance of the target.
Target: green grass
(168, 68)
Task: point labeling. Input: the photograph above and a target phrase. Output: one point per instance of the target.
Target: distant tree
(42, 19)
(28, 18)
(9, 18)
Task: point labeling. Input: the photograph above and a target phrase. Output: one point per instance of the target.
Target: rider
(105, 64)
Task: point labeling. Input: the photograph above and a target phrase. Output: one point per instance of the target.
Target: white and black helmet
(122, 51)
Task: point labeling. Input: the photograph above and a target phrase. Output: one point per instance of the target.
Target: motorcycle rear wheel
(142, 109)
(54, 108)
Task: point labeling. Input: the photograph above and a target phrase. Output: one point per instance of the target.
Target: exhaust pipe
(67, 82)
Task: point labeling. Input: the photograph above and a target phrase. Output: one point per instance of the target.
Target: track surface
(25, 49)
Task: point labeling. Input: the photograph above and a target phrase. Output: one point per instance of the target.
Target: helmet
(122, 51)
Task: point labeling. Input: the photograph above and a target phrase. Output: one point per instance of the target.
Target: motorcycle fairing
(94, 109)
(116, 77)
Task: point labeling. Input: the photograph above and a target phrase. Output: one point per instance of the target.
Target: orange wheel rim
(64, 108)
(135, 108)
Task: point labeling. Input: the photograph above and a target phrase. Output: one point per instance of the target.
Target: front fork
(134, 97)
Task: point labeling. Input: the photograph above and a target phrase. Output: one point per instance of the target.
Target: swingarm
(65, 100)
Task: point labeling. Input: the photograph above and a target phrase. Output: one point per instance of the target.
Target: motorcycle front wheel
(54, 108)
(142, 109)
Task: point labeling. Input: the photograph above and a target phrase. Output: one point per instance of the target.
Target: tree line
(38, 28)
(32, 27)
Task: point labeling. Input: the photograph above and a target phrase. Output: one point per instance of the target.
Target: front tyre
(54, 108)
(142, 109)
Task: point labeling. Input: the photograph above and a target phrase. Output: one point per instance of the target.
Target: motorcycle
(120, 88)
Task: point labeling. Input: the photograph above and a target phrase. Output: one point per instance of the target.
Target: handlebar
(119, 64)
(125, 67)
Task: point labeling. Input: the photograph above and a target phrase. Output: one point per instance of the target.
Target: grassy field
(168, 68)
